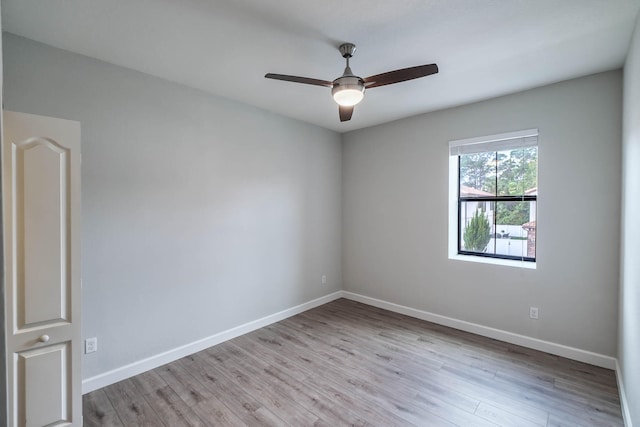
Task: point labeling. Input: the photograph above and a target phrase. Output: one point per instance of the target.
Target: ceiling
(484, 48)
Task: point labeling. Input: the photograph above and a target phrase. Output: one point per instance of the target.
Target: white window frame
(498, 142)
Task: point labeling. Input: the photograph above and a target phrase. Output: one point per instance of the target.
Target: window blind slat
(502, 142)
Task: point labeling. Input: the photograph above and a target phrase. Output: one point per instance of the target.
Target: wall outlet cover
(533, 312)
(90, 345)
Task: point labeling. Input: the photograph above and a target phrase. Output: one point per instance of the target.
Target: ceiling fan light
(348, 97)
(348, 91)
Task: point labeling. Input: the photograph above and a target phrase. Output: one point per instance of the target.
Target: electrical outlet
(533, 312)
(324, 279)
(90, 345)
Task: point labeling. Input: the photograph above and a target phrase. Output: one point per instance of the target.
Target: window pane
(478, 175)
(476, 223)
(513, 234)
(517, 171)
(515, 229)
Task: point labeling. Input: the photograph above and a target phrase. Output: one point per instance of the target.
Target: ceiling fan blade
(402, 75)
(345, 113)
(296, 79)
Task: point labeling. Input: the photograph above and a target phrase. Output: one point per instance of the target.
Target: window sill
(494, 261)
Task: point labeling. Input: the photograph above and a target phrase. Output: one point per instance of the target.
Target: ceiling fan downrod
(348, 89)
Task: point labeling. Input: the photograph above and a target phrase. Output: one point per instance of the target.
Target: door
(41, 227)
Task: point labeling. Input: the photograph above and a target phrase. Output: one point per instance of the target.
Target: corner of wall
(628, 370)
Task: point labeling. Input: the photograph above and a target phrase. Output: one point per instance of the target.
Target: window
(494, 190)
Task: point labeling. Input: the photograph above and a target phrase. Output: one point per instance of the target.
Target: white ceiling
(484, 48)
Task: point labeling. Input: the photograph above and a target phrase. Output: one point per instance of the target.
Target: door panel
(41, 205)
(42, 378)
(41, 175)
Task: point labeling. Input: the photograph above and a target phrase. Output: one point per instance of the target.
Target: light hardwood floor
(346, 363)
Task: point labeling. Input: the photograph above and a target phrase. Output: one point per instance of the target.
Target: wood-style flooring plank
(98, 411)
(183, 383)
(503, 418)
(229, 392)
(174, 411)
(253, 375)
(402, 387)
(217, 413)
(148, 382)
(302, 368)
(130, 405)
(346, 363)
(376, 385)
(308, 397)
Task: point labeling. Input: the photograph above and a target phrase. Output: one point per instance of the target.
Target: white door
(41, 225)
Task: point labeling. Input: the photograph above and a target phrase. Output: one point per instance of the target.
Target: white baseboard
(135, 368)
(498, 334)
(138, 367)
(624, 403)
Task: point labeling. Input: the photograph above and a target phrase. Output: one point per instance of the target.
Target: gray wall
(395, 215)
(629, 348)
(199, 213)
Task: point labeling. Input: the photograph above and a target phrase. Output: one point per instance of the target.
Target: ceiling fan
(348, 89)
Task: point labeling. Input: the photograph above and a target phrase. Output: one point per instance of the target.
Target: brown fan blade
(345, 113)
(402, 75)
(296, 79)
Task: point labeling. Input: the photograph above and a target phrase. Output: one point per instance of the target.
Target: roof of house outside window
(471, 192)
